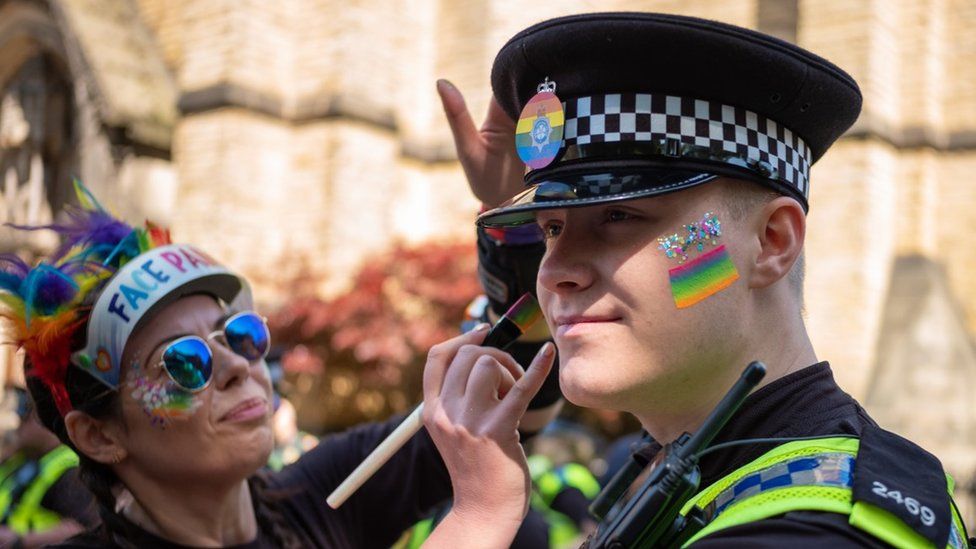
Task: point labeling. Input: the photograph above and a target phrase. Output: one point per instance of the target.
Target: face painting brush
(516, 320)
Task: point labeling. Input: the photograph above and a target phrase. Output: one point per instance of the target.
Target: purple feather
(93, 229)
(13, 271)
(96, 230)
(45, 290)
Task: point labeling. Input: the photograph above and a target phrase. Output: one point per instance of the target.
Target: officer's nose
(567, 266)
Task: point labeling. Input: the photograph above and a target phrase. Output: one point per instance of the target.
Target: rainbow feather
(86, 200)
(46, 303)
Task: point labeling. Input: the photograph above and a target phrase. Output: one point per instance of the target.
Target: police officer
(669, 172)
(41, 499)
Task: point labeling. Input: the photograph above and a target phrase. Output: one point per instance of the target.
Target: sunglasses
(188, 361)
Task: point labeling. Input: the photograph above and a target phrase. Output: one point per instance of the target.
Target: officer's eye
(551, 229)
(613, 216)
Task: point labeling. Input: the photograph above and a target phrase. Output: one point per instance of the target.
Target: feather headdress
(50, 302)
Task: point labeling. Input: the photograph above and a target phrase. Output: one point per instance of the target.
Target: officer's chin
(585, 384)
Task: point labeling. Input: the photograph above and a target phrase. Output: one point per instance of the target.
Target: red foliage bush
(359, 356)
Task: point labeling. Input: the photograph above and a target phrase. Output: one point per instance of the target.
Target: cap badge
(539, 132)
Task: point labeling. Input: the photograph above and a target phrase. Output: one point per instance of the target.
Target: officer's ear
(98, 439)
(782, 226)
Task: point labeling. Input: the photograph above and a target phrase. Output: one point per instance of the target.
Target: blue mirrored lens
(189, 362)
(248, 336)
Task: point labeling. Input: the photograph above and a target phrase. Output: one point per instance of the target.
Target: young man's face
(611, 295)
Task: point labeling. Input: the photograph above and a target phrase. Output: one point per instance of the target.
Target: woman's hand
(488, 156)
(474, 398)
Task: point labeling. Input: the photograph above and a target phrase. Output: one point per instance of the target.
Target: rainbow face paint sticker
(539, 131)
(162, 400)
(702, 277)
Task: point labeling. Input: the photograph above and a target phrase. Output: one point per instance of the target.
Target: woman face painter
(147, 358)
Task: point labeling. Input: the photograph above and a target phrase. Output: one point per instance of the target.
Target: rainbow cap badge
(539, 131)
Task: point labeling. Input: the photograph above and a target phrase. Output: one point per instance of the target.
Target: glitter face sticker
(162, 400)
(539, 131)
(703, 276)
(692, 238)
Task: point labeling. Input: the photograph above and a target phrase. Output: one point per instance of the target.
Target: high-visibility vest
(26, 514)
(8, 482)
(11, 464)
(549, 482)
(810, 475)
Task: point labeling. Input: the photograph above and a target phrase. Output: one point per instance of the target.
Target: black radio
(640, 507)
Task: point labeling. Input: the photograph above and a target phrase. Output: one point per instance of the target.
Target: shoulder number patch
(900, 477)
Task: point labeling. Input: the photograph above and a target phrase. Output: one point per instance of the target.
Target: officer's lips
(577, 324)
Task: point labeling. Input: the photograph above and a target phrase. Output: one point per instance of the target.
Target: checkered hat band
(740, 135)
(827, 469)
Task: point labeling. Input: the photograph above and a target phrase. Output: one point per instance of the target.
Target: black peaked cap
(601, 53)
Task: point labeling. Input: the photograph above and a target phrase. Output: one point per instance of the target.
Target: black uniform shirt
(69, 498)
(804, 403)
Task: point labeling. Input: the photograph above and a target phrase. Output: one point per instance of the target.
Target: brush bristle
(525, 312)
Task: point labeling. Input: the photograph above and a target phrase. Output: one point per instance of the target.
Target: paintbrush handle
(408, 428)
(517, 318)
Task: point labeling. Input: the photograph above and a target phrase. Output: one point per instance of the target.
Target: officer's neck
(780, 342)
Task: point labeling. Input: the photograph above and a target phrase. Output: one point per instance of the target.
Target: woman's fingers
(456, 380)
(518, 398)
(489, 382)
(466, 137)
(491, 165)
(440, 357)
(499, 121)
(475, 429)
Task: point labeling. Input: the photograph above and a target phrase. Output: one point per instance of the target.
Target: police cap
(655, 103)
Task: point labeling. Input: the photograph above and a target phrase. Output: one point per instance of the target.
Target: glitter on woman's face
(161, 399)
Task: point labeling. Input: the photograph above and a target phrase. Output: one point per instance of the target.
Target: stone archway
(36, 119)
(922, 384)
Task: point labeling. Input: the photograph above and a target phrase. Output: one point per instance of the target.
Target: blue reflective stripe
(827, 469)
(955, 538)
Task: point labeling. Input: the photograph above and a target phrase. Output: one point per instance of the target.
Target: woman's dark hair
(87, 395)
(92, 397)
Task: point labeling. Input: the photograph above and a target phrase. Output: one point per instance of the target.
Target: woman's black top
(400, 494)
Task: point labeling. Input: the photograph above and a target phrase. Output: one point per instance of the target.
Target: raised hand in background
(491, 165)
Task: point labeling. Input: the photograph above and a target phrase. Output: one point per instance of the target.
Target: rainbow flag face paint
(702, 277)
(539, 131)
